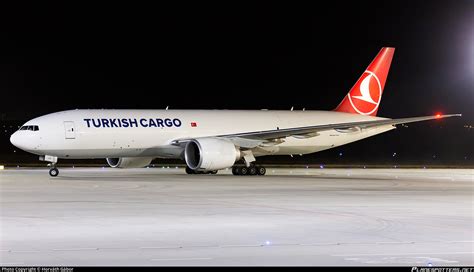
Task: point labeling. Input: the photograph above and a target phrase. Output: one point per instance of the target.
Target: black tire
(244, 171)
(261, 171)
(54, 172)
(190, 171)
(214, 172)
(252, 171)
(235, 170)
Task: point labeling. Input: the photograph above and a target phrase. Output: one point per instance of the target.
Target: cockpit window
(32, 128)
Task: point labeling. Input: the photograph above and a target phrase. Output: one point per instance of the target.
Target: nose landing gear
(53, 171)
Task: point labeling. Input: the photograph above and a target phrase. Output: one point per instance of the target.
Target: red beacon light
(438, 115)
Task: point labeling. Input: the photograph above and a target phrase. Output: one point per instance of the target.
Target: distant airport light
(268, 243)
(2, 167)
(321, 166)
(340, 154)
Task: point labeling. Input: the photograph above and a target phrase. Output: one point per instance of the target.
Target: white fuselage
(85, 134)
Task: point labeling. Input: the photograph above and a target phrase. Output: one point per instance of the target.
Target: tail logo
(367, 100)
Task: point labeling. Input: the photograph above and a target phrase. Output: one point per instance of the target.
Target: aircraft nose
(21, 141)
(14, 139)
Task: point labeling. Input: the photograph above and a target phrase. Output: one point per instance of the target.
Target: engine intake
(128, 162)
(210, 154)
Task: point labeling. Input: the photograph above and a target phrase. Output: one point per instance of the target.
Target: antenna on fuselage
(291, 109)
(167, 107)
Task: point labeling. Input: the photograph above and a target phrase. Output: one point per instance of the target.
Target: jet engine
(208, 154)
(128, 162)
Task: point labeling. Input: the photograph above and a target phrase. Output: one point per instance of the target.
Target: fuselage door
(69, 130)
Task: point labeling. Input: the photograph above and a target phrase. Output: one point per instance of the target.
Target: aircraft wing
(255, 138)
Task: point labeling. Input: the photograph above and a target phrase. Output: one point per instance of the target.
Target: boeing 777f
(211, 140)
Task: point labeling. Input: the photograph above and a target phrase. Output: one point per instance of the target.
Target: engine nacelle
(128, 162)
(210, 154)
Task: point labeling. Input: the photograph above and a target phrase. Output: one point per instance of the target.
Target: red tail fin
(365, 96)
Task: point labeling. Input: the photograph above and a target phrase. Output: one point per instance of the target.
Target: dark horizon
(61, 57)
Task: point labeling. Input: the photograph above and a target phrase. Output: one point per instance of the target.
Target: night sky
(237, 56)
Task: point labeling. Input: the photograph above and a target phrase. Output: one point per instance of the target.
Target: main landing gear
(190, 171)
(252, 170)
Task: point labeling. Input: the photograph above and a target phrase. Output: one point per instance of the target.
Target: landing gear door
(69, 130)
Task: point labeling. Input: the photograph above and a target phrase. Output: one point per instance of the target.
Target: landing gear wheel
(252, 170)
(189, 171)
(261, 171)
(213, 172)
(54, 172)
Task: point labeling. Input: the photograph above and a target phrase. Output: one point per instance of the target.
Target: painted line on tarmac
(403, 254)
(255, 245)
(75, 249)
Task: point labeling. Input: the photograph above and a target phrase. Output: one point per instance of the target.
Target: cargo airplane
(211, 140)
